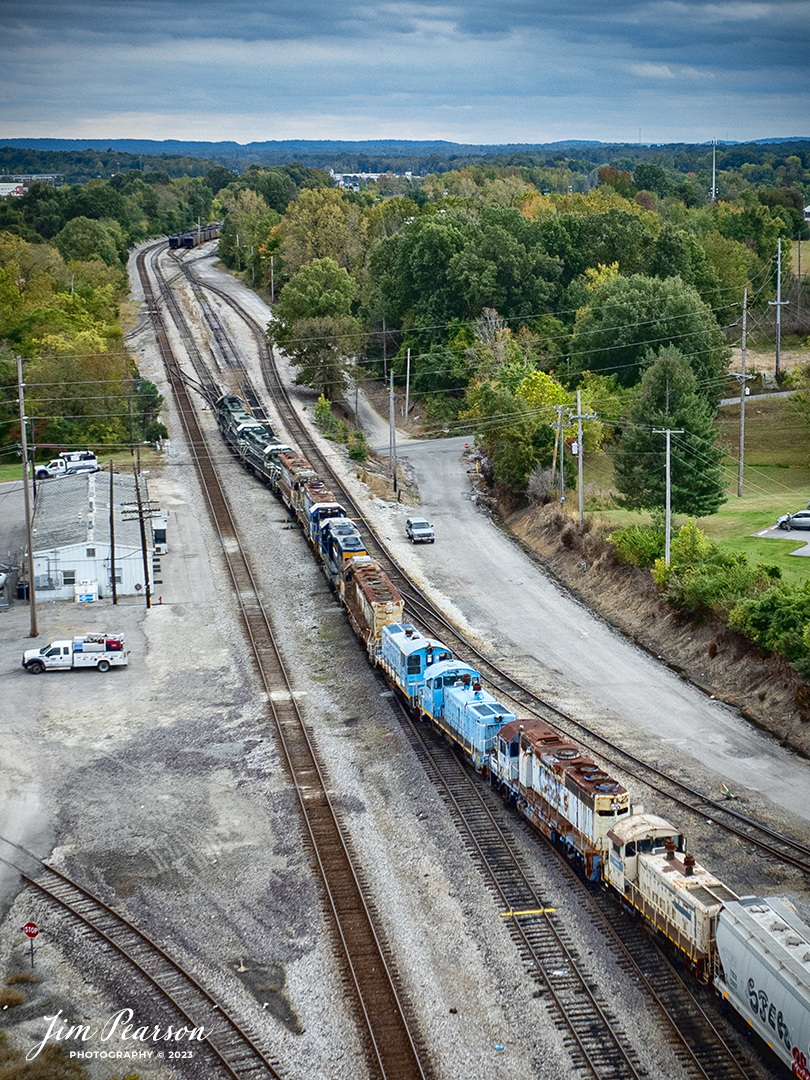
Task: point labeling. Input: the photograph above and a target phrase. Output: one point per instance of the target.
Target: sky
(473, 71)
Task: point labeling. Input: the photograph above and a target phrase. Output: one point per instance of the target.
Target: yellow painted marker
(532, 911)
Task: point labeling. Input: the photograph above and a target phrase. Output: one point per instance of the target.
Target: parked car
(799, 520)
(419, 531)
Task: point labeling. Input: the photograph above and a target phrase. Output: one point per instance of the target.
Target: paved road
(583, 664)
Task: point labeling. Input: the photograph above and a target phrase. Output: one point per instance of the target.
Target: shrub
(358, 448)
(543, 485)
(640, 545)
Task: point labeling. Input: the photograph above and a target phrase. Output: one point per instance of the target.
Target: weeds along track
(394, 1050)
(425, 613)
(229, 1049)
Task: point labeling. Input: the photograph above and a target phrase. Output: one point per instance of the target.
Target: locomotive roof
(701, 887)
(638, 826)
(565, 756)
(449, 667)
(373, 581)
(413, 642)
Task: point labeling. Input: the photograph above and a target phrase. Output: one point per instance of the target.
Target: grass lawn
(776, 480)
(123, 460)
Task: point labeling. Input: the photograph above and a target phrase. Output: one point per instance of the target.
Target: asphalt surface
(581, 663)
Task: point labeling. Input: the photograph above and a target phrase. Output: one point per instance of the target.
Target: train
(201, 235)
(755, 951)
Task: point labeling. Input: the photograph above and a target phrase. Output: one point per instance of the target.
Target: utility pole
(668, 526)
(799, 293)
(112, 538)
(714, 171)
(407, 384)
(393, 433)
(143, 511)
(579, 418)
(562, 452)
(778, 303)
(743, 379)
(32, 597)
(385, 354)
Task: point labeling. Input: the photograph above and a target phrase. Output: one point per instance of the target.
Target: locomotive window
(437, 683)
(414, 665)
(514, 748)
(630, 850)
(445, 656)
(645, 845)
(617, 848)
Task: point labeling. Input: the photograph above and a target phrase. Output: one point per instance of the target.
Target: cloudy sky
(478, 71)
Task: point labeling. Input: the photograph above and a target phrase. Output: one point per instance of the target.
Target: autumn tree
(320, 224)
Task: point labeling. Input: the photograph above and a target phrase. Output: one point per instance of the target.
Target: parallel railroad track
(232, 1051)
(394, 1049)
(596, 1041)
(597, 1044)
(722, 813)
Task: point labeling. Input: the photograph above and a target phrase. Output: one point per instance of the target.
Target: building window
(91, 553)
(118, 576)
(69, 577)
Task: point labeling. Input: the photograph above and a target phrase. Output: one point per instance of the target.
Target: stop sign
(31, 929)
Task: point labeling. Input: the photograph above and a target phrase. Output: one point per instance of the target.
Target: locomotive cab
(443, 674)
(407, 656)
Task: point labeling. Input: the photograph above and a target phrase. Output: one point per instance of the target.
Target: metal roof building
(72, 552)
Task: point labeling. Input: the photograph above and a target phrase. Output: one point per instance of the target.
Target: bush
(639, 545)
(543, 485)
(358, 449)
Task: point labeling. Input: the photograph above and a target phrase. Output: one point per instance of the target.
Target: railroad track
(596, 1042)
(423, 611)
(231, 1050)
(395, 1050)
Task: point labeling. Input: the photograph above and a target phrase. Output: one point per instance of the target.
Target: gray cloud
(518, 71)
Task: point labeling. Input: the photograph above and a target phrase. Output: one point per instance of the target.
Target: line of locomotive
(756, 951)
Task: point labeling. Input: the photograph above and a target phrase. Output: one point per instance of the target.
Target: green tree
(668, 398)
(650, 177)
(85, 239)
(246, 229)
(629, 319)
(320, 224)
(314, 324)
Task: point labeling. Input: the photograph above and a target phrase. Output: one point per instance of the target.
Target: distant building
(14, 191)
(807, 213)
(32, 178)
(71, 537)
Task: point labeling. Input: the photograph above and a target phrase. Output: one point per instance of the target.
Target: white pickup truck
(69, 463)
(101, 651)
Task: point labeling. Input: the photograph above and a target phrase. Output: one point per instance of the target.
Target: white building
(71, 537)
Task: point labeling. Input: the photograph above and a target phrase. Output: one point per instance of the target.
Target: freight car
(755, 951)
(194, 237)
